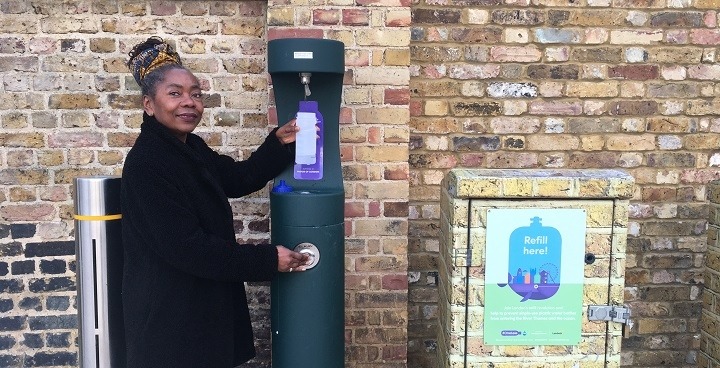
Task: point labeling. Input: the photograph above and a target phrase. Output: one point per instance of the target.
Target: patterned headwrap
(153, 58)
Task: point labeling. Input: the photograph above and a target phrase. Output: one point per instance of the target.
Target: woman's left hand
(288, 132)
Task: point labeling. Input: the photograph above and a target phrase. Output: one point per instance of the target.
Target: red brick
(676, 20)
(374, 209)
(634, 72)
(416, 108)
(73, 139)
(326, 17)
(354, 209)
(355, 17)
(250, 8)
(634, 108)
(346, 153)
(395, 209)
(276, 33)
(705, 36)
(162, 7)
(395, 96)
(397, 353)
(346, 115)
(400, 173)
(375, 135)
(356, 282)
(395, 282)
(659, 194)
(30, 212)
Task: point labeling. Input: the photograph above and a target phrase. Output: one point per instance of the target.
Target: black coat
(183, 294)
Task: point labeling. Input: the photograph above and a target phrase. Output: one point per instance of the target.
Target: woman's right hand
(290, 261)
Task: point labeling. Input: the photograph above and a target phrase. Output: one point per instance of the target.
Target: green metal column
(308, 309)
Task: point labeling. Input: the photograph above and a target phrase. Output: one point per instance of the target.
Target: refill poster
(534, 276)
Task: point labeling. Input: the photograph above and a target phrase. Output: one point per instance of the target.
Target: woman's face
(177, 103)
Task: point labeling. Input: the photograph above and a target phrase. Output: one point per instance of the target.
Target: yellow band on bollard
(97, 217)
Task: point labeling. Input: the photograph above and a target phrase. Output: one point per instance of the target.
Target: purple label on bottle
(312, 171)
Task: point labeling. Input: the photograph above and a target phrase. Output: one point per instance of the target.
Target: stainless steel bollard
(98, 248)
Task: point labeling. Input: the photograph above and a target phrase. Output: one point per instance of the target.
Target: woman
(183, 295)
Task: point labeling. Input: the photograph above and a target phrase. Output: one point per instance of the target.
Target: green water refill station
(307, 205)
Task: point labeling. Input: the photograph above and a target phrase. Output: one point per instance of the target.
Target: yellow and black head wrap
(149, 56)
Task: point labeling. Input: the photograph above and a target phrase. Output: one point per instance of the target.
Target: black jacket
(183, 294)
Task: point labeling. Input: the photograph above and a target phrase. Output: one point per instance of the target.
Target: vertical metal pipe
(98, 248)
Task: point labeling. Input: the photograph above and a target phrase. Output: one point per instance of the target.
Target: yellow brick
(50, 157)
(707, 4)
(593, 345)
(632, 89)
(379, 115)
(517, 187)
(592, 89)
(518, 351)
(591, 327)
(353, 134)
(618, 267)
(598, 269)
(380, 227)
(552, 142)
(713, 190)
(398, 135)
(457, 212)
(477, 255)
(626, 142)
(381, 153)
(479, 188)
(378, 59)
(397, 57)
(561, 350)
(436, 108)
(386, 189)
(343, 36)
(30, 140)
(597, 243)
(599, 214)
(593, 188)
(595, 294)
(554, 187)
(592, 142)
(398, 18)
(356, 96)
(383, 37)
(395, 76)
(622, 189)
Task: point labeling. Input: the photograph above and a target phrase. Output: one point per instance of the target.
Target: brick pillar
(374, 137)
(709, 356)
(467, 197)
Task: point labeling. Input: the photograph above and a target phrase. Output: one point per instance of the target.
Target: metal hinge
(461, 257)
(612, 313)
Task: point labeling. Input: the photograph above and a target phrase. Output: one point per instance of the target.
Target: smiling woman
(178, 102)
(184, 301)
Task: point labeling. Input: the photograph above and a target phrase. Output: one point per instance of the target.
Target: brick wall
(624, 84)
(627, 84)
(69, 107)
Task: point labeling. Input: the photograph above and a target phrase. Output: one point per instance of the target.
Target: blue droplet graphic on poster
(534, 261)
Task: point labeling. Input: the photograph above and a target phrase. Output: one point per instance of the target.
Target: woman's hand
(289, 261)
(288, 132)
